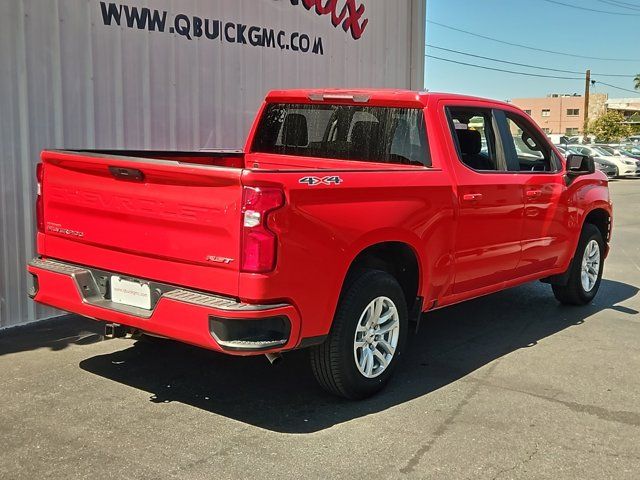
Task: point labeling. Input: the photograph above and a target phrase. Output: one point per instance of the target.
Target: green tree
(636, 82)
(610, 127)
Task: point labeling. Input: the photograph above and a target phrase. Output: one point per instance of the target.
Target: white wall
(68, 80)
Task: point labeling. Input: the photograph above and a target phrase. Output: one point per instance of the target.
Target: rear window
(369, 134)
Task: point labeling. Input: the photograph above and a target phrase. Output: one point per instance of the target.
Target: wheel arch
(601, 219)
(398, 258)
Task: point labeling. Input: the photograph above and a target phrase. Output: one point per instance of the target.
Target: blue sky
(536, 23)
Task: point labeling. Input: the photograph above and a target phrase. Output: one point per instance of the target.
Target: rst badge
(313, 181)
(216, 259)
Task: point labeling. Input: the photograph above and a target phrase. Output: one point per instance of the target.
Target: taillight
(39, 202)
(259, 244)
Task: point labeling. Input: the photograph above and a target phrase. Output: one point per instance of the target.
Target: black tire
(573, 293)
(333, 362)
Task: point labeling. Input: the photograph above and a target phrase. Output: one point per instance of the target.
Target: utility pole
(587, 86)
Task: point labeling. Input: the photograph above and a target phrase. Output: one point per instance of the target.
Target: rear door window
(344, 132)
(474, 134)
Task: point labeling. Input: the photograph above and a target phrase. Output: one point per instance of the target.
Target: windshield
(608, 150)
(345, 132)
(601, 151)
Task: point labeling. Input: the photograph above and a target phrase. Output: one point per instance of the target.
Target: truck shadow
(54, 334)
(450, 344)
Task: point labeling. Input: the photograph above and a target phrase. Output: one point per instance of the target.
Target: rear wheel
(367, 337)
(585, 270)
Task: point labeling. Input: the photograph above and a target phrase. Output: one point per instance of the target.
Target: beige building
(561, 114)
(629, 107)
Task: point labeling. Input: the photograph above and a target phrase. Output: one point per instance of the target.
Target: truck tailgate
(158, 219)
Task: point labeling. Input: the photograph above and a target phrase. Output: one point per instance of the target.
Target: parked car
(625, 152)
(630, 151)
(605, 166)
(558, 139)
(347, 215)
(626, 166)
(610, 149)
(617, 151)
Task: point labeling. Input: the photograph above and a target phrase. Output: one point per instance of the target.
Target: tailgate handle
(127, 173)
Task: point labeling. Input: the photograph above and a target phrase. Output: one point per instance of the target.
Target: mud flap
(561, 279)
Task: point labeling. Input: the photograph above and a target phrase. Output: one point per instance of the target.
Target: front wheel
(585, 271)
(366, 339)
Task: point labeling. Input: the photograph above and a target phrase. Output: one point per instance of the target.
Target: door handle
(472, 197)
(122, 173)
(533, 193)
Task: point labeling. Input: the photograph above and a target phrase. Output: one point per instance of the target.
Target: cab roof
(380, 97)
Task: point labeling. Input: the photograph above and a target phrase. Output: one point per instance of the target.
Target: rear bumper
(181, 314)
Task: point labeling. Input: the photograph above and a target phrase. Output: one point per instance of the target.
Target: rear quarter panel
(323, 228)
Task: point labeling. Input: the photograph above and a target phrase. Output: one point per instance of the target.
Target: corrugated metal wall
(67, 80)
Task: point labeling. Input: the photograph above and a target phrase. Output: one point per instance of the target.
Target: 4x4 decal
(313, 181)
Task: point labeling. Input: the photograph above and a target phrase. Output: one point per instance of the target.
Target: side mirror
(580, 165)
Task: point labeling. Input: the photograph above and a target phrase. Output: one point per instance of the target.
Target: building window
(572, 131)
(546, 112)
(546, 130)
(573, 112)
(528, 112)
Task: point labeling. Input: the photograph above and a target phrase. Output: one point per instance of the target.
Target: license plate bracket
(129, 292)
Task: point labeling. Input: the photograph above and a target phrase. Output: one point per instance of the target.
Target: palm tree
(636, 82)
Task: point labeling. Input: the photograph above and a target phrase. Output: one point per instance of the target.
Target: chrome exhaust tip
(274, 358)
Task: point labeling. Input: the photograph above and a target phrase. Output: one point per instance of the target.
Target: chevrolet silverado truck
(347, 215)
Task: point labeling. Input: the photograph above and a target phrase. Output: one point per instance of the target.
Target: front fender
(587, 195)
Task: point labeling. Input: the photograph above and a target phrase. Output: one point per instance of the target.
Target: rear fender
(386, 235)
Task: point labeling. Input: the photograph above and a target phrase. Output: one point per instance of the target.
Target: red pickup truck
(348, 215)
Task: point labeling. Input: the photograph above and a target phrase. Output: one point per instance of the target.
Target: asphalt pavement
(511, 385)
